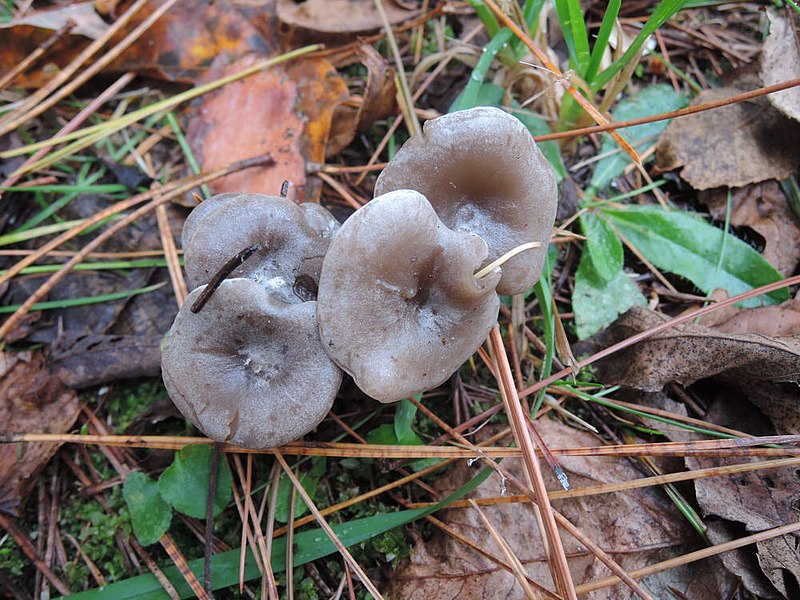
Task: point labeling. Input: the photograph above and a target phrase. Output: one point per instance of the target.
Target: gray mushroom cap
(293, 241)
(249, 369)
(483, 173)
(399, 307)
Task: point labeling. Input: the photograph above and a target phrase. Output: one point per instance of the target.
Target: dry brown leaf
(20, 37)
(781, 320)
(780, 59)
(285, 111)
(333, 22)
(763, 207)
(182, 44)
(731, 146)
(32, 401)
(690, 352)
(637, 528)
(379, 101)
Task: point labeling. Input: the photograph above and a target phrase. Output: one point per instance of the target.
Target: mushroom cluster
(398, 297)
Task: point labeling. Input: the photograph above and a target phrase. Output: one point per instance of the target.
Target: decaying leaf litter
(78, 516)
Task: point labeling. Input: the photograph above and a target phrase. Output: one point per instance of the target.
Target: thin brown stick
(622, 486)
(171, 255)
(692, 556)
(327, 528)
(14, 320)
(91, 71)
(230, 265)
(571, 89)
(681, 112)
(635, 339)
(73, 124)
(559, 568)
(29, 550)
(18, 116)
(173, 189)
(343, 191)
(516, 566)
(26, 62)
(717, 447)
(163, 580)
(183, 567)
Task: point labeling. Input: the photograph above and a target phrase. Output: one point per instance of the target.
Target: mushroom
(399, 306)
(483, 173)
(249, 369)
(291, 241)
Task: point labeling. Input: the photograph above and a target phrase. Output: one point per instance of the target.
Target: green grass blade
(468, 98)
(573, 26)
(111, 265)
(601, 42)
(310, 545)
(661, 14)
(84, 300)
(486, 17)
(30, 234)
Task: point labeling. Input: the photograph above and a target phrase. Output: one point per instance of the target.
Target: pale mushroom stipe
(483, 173)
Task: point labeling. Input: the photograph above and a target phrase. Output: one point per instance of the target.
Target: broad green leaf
(310, 545)
(649, 101)
(602, 245)
(309, 479)
(596, 302)
(150, 515)
(661, 14)
(184, 484)
(684, 244)
(388, 434)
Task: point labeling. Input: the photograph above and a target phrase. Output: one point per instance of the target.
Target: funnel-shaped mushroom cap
(482, 172)
(293, 242)
(399, 307)
(248, 369)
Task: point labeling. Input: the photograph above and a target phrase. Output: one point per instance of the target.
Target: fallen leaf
(33, 401)
(636, 528)
(731, 146)
(781, 320)
(690, 352)
(285, 111)
(379, 100)
(780, 59)
(20, 37)
(182, 44)
(333, 22)
(81, 360)
(764, 208)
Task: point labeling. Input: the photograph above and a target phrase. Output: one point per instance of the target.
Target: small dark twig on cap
(223, 273)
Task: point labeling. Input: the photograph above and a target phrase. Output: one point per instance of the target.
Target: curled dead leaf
(34, 401)
(731, 146)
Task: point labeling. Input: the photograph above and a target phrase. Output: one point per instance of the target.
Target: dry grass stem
(326, 528)
(559, 567)
(171, 254)
(341, 190)
(183, 567)
(516, 566)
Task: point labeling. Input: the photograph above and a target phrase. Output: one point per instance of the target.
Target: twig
(210, 503)
(26, 62)
(171, 255)
(327, 528)
(681, 112)
(231, 265)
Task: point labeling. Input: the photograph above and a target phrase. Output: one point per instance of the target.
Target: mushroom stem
(222, 274)
(506, 257)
